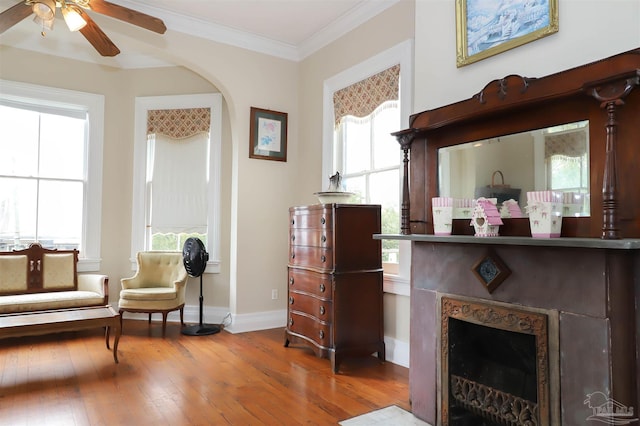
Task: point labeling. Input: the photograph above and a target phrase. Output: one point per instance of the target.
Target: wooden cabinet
(335, 281)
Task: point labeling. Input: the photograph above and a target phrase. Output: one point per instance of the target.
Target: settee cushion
(13, 278)
(58, 271)
(49, 301)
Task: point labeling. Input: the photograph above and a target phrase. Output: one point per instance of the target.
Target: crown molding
(234, 37)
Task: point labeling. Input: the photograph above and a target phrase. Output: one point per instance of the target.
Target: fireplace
(586, 283)
(583, 296)
(494, 364)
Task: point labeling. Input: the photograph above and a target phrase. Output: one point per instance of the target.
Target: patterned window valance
(179, 123)
(362, 98)
(572, 144)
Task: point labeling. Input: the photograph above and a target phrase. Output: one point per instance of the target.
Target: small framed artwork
(268, 135)
(487, 27)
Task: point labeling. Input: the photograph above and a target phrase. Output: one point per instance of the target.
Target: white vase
(545, 213)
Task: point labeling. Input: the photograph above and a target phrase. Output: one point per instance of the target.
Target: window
(369, 159)
(50, 170)
(567, 164)
(177, 173)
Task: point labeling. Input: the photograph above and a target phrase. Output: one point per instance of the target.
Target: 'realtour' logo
(608, 410)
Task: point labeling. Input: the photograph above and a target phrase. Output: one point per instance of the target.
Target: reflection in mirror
(507, 167)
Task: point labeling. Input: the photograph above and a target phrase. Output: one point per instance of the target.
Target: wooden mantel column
(405, 138)
(611, 94)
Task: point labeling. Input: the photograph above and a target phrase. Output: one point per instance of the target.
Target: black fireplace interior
(494, 359)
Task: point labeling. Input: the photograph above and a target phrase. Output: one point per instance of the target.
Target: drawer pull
(293, 255)
(324, 238)
(293, 238)
(291, 300)
(290, 280)
(323, 221)
(322, 288)
(290, 321)
(321, 334)
(293, 221)
(321, 310)
(323, 258)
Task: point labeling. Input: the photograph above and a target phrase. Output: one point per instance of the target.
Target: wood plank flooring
(222, 379)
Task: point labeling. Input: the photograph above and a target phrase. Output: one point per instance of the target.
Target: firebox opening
(489, 366)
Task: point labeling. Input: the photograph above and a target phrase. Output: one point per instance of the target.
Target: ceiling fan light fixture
(44, 9)
(45, 24)
(73, 18)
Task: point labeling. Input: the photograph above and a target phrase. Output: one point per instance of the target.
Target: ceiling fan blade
(128, 15)
(13, 15)
(97, 37)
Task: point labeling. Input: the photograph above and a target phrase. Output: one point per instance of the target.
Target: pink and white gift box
(545, 213)
(442, 209)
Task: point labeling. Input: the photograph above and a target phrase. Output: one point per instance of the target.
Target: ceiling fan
(75, 15)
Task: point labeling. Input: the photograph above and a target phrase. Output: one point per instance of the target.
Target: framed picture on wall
(268, 135)
(487, 27)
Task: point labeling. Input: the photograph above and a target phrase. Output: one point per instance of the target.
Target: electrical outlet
(274, 294)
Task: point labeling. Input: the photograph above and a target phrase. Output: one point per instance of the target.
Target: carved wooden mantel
(602, 92)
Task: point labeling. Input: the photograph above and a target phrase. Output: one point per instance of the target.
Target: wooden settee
(40, 279)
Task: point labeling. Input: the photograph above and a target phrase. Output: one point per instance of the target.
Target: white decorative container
(510, 209)
(573, 204)
(463, 207)
(442, 208)
(545, 213)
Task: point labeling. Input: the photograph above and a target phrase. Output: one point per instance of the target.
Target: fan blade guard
(194, 256)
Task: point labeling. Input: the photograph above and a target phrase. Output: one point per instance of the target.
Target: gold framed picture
(487, 27)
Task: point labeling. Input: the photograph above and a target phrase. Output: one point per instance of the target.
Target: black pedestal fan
(195, 257)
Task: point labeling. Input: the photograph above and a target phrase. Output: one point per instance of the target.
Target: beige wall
(120, 88)
(386, 30)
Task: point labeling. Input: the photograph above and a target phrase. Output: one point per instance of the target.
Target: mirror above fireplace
(552, 158)
(603, 93)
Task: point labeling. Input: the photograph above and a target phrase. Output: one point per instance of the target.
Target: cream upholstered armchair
(158, 286)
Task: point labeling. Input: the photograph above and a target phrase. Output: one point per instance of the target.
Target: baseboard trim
(242, 323)
(396, 351)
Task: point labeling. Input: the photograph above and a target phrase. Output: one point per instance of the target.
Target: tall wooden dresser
(335, 281)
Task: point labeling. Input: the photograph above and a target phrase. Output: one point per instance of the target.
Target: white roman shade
(177, 178)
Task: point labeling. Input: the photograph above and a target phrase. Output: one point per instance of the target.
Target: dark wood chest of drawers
(335, 280)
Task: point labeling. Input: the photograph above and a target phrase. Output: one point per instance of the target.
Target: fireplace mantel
(596, 243)
(587, 282)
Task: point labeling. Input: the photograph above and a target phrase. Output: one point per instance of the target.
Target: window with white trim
(359, 145)
(177, 173)
(369, 160)
(50, 169)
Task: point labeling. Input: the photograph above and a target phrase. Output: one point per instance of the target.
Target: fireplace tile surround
(588, 292)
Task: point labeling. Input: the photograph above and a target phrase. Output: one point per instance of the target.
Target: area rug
(391, 416)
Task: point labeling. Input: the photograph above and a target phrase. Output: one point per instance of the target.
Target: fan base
(201, 329)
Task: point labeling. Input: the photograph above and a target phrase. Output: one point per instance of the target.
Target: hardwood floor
(241, 379)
